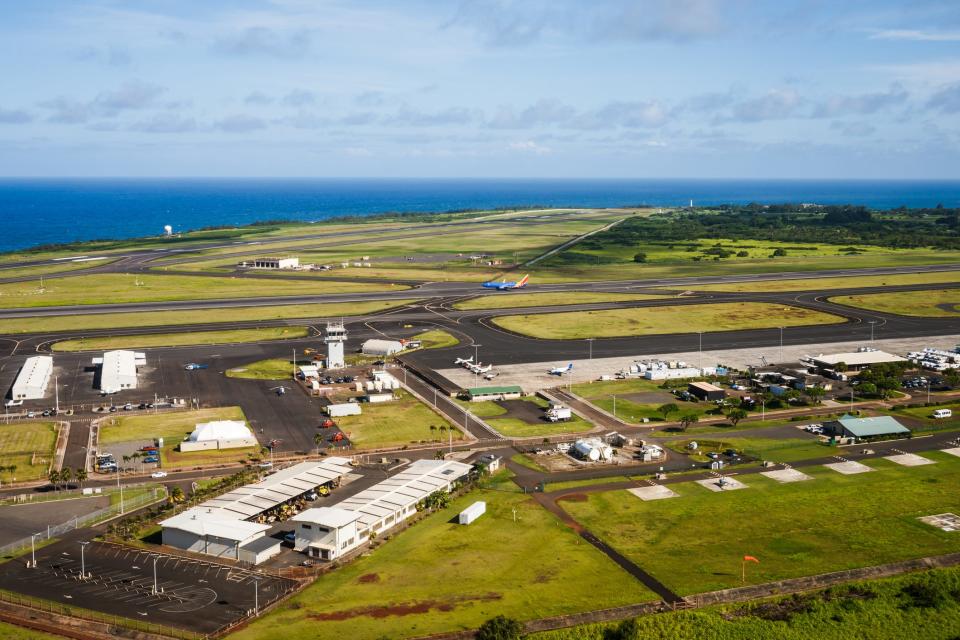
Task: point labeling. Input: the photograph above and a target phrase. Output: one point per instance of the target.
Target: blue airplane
(503, 285)
(559, 371)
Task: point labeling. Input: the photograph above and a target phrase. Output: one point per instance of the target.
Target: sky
(482, 88)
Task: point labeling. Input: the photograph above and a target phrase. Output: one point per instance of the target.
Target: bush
(500, 628)
(640, 257)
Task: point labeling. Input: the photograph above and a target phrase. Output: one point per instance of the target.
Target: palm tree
(318, 440)
(136, 458)
(81, 475)
(126, 461)
(66, 475)
(54, 477)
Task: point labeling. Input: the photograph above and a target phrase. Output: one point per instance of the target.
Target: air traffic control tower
(334, 337)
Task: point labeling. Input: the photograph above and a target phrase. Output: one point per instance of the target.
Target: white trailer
(559, 413)
(343, 409)
(471, 513)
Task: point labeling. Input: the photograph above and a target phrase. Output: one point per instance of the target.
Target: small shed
(706, 391)
(259, 550)
(471, 513)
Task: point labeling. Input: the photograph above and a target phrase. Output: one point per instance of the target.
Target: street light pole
(781, 345)
(154, 575)
(256, 596)
(700, 351)
(872, 323)
(590, 341)
(33, 550)
(120, 487)
(83, 561)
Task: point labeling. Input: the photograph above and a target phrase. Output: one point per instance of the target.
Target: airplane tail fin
(523, 281)
(570, 367)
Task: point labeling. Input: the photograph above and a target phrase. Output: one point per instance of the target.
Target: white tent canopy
(220, 430)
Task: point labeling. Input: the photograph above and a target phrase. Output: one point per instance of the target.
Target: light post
(155, 558)
(872, 323)
(700, 351)
(120, 488)
(590, 341)
(256, 596)
(476, 361)
(614, 406)
(928, 392)
(781, 345)
(434, 396)
(33, 550)
(83, 560)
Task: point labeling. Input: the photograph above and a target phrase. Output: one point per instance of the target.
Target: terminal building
(33, 379)
(234, 525)
(854, 361)
(118, 370)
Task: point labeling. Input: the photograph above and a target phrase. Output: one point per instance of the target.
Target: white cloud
(916, 35)
(529, 146)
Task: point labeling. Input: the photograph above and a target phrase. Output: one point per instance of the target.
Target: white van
(943, 413)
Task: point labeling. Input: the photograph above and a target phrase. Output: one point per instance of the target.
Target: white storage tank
(471, 513)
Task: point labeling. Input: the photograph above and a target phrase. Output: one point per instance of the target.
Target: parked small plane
(559, 371)
(480, 367)
(463, 361)
(503, 285)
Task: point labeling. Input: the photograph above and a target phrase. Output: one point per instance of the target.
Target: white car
(158, 474)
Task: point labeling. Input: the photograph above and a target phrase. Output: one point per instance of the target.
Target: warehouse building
(32, 381)
(504, 392)
(234, 524)
(276, 263)
(382, 348)
(706, 391)
(118, 370)
(332, 532)
(219, 434)
(867, 429)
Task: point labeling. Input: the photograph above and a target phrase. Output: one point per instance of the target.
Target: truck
(559, 413)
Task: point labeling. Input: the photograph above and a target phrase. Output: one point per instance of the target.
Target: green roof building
(505, 392)
(872, 428)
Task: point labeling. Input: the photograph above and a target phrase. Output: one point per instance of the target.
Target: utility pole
(700, 352)
(872, 323)
(256, 596)
(781, 345)
(56, 393)
(155, 575)
(33, 550)
(590, 341)
(83, 561)
(294, 361)
(120, 487)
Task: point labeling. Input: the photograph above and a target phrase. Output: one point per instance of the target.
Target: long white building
(32, 381)
(118, 370)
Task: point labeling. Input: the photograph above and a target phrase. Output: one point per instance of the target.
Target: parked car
(290, 537)
(158, 474)
(150, 459)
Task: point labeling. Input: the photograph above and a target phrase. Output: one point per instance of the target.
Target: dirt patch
(573, 497)
(649, 397)
(524, 410)
(368, 578)
(405, 609)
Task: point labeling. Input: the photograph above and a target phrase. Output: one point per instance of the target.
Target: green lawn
(438, 576)
(775, 449)
(874, 609)
(392, 424)
(195, 316)
(107, 288)
(29, 446)
(613, 397)
(925, 415)
(47, 269)
(941, 303)
(10, 632)
(611, 323)
(179, 339)
(694, 543)
(436, 339)
(842, 282)
(508, 300)
(172, 426)
(271, 369)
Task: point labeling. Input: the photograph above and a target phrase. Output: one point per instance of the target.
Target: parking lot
(120, 581)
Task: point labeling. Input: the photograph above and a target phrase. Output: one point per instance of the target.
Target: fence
(116, 622)
(157, 493)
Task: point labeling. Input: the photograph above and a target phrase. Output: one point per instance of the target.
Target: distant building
(32, 381)
(383, 348)
(219, 434)
(118, 370)
(335, 336)
(855, 361)
(866, 429)
(506, 392)
(276, 263)
(706, 391)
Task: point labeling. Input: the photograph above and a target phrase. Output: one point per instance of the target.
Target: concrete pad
(910, 460)
(729, 484)
(943, 521)
(654, 492)
(786, 475)
(848, 468)
(954, 452)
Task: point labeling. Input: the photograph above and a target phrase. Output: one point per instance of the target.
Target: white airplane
(482, 369)
(559, 371)
(463, 361)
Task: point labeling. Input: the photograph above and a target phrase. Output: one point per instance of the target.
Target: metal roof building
(393, 500)
(118, 370)
(32, 381)
(855, 360)
(868, 428)
(378, 347)
(507, 392)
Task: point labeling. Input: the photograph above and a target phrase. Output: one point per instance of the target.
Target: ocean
(43, 211)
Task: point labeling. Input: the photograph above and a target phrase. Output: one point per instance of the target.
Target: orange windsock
(750, 559)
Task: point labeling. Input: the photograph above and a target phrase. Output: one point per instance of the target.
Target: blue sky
(486, 88)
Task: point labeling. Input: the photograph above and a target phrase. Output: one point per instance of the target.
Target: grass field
(928, 422)
(438, 576)
(512, 300)
(612, 323)
(694, 543)
(614, 396)
(272, 369)
(941, 303)
(10, 632)
(389, 424)
(885, 609)
(19, 442)
(189, 316)
(517, 428)
(46, 269)
(436, 339)
(172, 426)
(120, 288)
(842, 282)
(775, 449)
(180, 339)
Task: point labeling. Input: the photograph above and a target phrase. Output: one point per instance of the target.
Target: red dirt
(407, 609)
(367, 578)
